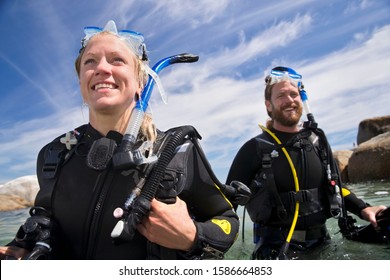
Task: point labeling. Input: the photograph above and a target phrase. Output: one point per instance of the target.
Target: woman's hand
(169, 225)
(12, 252)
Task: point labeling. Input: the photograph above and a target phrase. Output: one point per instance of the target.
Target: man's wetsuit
(83, 202)
(307, 159)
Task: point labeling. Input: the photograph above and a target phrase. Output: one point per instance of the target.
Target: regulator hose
(126, 228)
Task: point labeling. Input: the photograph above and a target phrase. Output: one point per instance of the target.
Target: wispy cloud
(32, 82)
(358, 5)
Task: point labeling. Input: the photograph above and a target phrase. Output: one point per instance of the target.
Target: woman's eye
(89, 61)
(118, 59)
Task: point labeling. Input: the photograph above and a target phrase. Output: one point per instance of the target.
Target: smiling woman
(105, 82)
(158, 203)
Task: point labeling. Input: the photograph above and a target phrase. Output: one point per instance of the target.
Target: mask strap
(157, 80)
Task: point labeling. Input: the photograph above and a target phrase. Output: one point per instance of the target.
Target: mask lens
(277, 76)
(92, 30)
(89, 31)
(134, 39)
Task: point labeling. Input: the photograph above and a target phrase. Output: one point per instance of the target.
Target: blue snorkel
(126, 157)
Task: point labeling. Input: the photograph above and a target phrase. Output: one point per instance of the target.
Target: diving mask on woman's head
(135, 40)
(281, 73)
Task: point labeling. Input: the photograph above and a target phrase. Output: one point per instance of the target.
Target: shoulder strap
(266, 172)
(54, 156)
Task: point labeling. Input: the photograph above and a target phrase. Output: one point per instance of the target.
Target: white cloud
(201, 11)
(354, 81)
(353, 6)
(276, 36)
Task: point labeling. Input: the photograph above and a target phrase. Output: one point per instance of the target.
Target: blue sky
(342, 49)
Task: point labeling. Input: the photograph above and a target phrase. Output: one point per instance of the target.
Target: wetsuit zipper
(103, 185)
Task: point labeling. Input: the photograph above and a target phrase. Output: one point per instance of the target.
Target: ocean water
(340, 248)
(376, 193)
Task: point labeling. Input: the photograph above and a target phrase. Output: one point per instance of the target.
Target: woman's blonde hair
(148, 129)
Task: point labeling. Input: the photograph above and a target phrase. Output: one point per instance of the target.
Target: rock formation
(370, 160)
(370, 128)
(18, 193)
(342, 159)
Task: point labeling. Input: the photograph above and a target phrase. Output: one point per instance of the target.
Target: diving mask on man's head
(281, 73)
(135, 40)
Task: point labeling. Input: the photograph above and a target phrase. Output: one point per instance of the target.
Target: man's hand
(369, 214)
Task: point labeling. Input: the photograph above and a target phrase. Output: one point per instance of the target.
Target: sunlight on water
(340, 248)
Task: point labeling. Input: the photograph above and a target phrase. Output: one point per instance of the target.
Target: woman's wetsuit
(83, 202)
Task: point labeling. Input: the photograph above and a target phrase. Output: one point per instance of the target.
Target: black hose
(141, 206)
(151, 185)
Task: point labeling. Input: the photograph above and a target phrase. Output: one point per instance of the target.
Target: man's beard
(277, 115)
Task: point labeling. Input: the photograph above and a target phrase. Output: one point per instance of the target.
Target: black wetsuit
(311, 173)
(83, 202)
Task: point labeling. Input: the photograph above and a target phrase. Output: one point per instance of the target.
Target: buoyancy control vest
(60, 150)
(273, 195)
